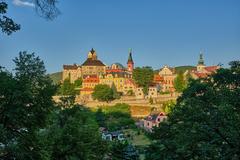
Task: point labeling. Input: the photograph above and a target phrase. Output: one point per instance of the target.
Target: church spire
(201, 61)
(130, 59)
(130, 63)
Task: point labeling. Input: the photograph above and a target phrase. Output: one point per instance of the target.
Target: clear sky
(160, 32)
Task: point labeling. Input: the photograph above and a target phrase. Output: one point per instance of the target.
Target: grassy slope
(183, 68)
(56, 77)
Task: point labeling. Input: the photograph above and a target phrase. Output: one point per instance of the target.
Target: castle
(94, 67)
(93, 72)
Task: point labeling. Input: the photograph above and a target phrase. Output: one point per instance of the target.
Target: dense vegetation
(115, 117)
(205, 122)
(180, 82)
(104, 93)
(33, 127)
(143, 77)
(182, 69)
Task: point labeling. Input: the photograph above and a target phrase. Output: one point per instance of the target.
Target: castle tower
(130, 63)
(92, 54)
(200, 65)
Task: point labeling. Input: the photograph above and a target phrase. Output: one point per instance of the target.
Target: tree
(116, 95)
(143, 77)
(7, 25)
(25, 103)
(117, 117)
(67, 101)
(45, 8)
(123, 151)
(67, 88)
(100, 118)
(205, 122)
(180, 82)
(103, 92)
(78, 83)
(73, 133)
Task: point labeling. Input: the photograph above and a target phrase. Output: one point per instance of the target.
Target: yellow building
(116, 78)
(72, 72)
(168, 75)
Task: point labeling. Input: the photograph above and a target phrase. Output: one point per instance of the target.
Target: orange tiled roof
(201, 75)
(157, 78)
(211, 68)
(91, 79)
(129, 81)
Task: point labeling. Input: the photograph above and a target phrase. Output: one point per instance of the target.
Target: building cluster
(93, 72)
(202, 71)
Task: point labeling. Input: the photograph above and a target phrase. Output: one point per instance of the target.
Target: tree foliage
(25, 103)
(103, 92)
(143, 77)
(205, 122)
(180, 83)
(115, 117)
(123, 151)
(78, 83)
(73, 134)
(47, 8)
(32, 127)
(7, 25)
(67, 88)
(116, 95)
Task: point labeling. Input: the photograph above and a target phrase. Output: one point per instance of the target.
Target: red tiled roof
(200, 75)
(129, 81)
(211, 68)
(157, 78)
(74, 66)
(91, 80)
(93, 62)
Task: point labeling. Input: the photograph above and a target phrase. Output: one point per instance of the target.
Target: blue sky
(160, 32)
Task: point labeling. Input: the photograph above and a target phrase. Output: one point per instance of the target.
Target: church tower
(200, 65)
(130, 63)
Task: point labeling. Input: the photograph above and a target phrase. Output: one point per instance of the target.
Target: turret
(130, 63)
(200, 65)
(92, 54)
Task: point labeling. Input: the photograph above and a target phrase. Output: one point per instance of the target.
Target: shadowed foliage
(205, 122)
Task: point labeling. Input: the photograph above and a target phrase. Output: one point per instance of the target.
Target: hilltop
(183, 68)
(56, 77)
